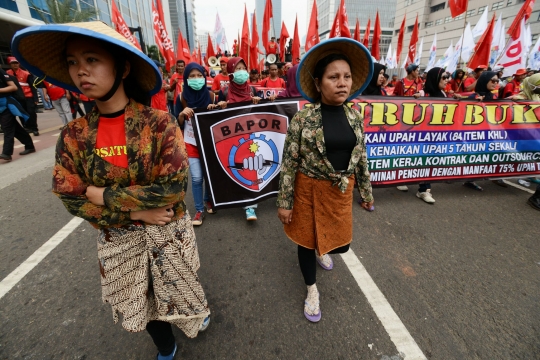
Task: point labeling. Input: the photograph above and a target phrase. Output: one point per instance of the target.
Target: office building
(182, 17)
(434, 17)
(363, 10)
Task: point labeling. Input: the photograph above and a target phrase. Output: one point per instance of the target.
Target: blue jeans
(195, 171)
(46, 104)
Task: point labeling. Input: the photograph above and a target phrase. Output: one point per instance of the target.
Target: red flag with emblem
(121, 26)
(412, 44)
(161, 36)
(336, 26)
(254, 49)
(483, 47)
(357, 31)
(457, 7)
(282, 40)
(312, 37)
(244, 46)
(524, 13)
(295, 52)
(375, 51)
(367, 33)
(268, 13)
(345, 31)
(400, 40)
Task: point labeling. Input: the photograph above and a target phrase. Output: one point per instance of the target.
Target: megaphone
(213, 61)
(271, 58)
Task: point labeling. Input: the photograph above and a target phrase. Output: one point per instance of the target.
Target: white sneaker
(426, 196)
(403, 188)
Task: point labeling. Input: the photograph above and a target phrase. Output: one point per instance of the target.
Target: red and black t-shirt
(111, 139)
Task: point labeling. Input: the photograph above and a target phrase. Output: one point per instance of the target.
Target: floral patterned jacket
(156, 177)
(305, 151)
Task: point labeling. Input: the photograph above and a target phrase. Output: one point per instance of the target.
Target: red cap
(12, 59)
(223, 59)
(481, 67)
(520, 72)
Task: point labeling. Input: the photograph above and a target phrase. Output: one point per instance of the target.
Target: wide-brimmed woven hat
(40, 49)
(358, 55)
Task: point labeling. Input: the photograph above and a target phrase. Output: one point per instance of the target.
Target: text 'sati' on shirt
(111, 140)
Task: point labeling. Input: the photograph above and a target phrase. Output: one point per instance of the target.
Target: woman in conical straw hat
(124, 168)
(324, 155)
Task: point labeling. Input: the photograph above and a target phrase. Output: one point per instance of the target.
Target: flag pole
(463, 35)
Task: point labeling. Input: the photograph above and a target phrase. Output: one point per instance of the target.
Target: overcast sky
(231, 13)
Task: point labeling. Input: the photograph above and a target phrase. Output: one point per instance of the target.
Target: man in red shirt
(513, 87)
(410, 85)
(470, 83)
(26, 80)
(273, 81)
(58, 98)
(254, 77)
(272, 47)
(221, 79)
(177, 79)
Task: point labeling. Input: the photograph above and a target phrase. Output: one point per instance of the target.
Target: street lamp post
(139, 30)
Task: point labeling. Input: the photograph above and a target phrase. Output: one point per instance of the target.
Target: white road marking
(400, 336)
(56, 134)
(519, 187)
(20, 272)
(22, 145)
(15, 171)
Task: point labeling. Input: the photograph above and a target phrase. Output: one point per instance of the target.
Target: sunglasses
(494, 81)
(444, 77)
(534, 87)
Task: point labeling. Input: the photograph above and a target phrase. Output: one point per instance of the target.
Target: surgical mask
(240, 77)
(197, 83)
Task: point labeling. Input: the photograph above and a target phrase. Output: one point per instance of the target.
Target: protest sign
(408, 141)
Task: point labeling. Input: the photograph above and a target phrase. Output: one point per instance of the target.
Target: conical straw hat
(358, 55)
(41, 50)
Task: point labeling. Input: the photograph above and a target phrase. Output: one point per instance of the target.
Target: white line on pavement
(399, 334)
(15, 171)
(20, 272)
(22, 145)
(519, 187)
(56, 134)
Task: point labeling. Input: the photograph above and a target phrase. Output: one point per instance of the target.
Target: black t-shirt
(339, 136)
(4, 78)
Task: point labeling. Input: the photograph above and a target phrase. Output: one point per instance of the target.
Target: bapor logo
(250, 147)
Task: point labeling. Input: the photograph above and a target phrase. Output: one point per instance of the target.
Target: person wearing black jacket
(9, 108)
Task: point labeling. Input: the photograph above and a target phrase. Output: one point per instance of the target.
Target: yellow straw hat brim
(41, 50)
(358, 55)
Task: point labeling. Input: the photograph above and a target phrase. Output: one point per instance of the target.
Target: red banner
(121, 26)
(163, 41)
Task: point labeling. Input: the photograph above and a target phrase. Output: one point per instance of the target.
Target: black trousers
(12, 129)
(31, 123)
(162, 335)
(308, 263)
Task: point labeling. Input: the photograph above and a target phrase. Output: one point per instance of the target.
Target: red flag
(268, 13)
(357, 31)
(282, 39)
(121, 26)
(312, 37)
(457, 7)
(210, 48)
(199, 55)
(244, 46)
(367, 33)
(375, 51)
(161, 36)
(400, 40)
(182, 53)
(254, 50)
(412, 44)
(524, 13)
(345, 32)
(295, 52)
(483, 47)
(336, 26)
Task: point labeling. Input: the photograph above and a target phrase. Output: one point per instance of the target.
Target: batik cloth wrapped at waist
(150, 273)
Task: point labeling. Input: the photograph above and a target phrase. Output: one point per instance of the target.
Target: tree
(153, 53)
(64, 11)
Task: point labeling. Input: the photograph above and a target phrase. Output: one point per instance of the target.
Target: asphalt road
(461, 275)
